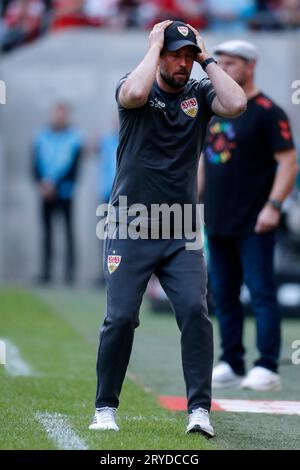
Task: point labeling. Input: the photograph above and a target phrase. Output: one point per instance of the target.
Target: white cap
(238, 48)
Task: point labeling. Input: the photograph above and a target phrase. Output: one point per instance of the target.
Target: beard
(172, 81)
(241, 81)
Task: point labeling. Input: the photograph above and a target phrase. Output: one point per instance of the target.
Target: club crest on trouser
(113, 262)
(190, 107)
(184, 30)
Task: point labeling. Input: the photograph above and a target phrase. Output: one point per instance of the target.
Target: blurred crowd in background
(25, 20)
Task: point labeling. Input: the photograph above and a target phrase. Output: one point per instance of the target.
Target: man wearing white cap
(249, 168)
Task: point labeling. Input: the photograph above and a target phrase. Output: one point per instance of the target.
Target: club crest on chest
(190, 107)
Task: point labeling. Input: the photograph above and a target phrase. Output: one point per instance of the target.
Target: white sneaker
(199, 422)
(224, 377)
(104, 419)
(260, 378)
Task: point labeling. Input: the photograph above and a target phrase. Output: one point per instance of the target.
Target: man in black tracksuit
(163, 118)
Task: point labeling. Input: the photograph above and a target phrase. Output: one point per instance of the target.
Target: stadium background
(77, 51)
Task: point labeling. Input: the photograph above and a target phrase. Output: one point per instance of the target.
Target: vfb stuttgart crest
(184, 30)
(113, 262)
(190, 107)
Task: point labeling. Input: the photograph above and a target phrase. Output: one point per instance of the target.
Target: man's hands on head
(135, 90)
(157, 35)
(200, 57)
(231, 100)
(133, 93)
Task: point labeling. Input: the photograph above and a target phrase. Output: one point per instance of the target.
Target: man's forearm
(269, 216)
(231, 97)
(284, 180)
(138, 85)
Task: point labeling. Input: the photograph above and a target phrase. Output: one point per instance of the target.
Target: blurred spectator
(289, 13)
(2, 10)
(189, 11)
(57, 150)
(276, 14)
(75, 13)
(231, 15)
(128, 13)
(298, 178)
(3, 7)
(48, 4)
(67, 13)
(102, 11)
(67, 7)
(21, 23)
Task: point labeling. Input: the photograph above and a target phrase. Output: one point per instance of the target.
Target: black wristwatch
(275, 204)
(205, 63)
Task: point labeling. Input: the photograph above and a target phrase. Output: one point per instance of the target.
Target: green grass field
(56, 332)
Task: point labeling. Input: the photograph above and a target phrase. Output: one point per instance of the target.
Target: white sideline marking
(15, 365)
(2, 353)
(148, 418)
(260, 406)
(60, 431)
(280, 407)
